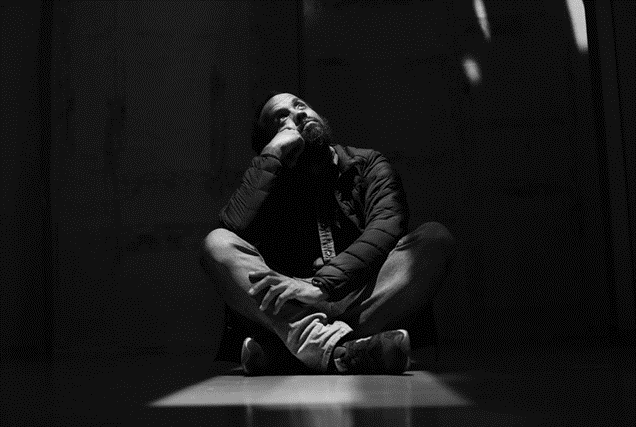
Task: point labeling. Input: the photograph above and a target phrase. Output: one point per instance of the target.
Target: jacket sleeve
(244, 213)
(386, 221)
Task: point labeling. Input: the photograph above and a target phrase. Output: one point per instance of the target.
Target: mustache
(306, 122)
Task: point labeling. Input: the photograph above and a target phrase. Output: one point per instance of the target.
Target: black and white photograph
(318, 213)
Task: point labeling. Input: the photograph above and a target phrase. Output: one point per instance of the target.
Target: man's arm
(386, 218)
(240, 213)
(244, 213)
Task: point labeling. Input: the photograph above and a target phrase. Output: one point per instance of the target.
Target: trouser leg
(411, 276)
(227, 259)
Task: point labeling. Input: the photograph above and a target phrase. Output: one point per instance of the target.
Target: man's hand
(287, 145)
(285, 288)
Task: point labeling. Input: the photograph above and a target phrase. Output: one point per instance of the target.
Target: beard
(317, 133)
(316, 158)
(317, 138)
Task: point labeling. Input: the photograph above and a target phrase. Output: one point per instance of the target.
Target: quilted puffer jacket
(276, 210)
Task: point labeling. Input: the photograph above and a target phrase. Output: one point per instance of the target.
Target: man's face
(286, 111)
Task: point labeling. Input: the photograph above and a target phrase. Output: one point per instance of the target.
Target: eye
(301, 106)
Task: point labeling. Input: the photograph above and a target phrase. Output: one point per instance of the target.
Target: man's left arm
(386, 221)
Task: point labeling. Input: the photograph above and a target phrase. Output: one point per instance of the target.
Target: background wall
(157, 97)
(508, 162)
(25, 317)
(150, 106)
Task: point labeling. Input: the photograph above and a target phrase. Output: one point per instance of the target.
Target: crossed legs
(305, 330)
(410, 277)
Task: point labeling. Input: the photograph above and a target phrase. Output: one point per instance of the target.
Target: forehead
(282, 100)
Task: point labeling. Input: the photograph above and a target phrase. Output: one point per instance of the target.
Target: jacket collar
(343, 158)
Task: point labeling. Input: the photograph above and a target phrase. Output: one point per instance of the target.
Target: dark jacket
(276, 210)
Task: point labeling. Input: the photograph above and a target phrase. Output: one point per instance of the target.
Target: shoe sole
(406, 346)
(246, 354)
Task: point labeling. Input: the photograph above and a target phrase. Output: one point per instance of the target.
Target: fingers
(273, 291)
(255, 276)
(261, 280)
(262, 285)
(276, 283)
(282, 299)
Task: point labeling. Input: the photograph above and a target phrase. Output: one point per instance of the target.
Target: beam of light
(579, 27)
(471, 68)
(480, 11)
(325, 394)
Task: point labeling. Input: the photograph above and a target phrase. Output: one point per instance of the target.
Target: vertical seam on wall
(623, 144)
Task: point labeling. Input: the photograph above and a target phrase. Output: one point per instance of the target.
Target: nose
(299, 116)
(295, 119)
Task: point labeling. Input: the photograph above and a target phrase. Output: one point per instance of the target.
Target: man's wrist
(270, 151)
(318, 284)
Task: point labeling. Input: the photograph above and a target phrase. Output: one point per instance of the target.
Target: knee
(215, 246)
(443, 234)
(437, 232)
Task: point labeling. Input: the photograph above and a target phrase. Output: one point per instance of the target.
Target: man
(312, 246)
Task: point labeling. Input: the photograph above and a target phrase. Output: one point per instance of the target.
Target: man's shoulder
(355, 154)
(359, 159)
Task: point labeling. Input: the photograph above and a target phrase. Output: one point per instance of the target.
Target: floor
(542, 386)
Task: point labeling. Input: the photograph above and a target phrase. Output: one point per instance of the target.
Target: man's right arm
(240, 213)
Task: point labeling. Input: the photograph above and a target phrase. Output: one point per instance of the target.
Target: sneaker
(253, 359)
(383, 353)
(271, 358)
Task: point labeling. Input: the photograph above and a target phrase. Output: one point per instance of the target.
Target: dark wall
(615, 23)
(508, 162)
(156, 99)
(26, 320)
